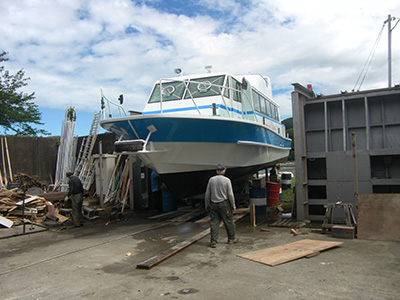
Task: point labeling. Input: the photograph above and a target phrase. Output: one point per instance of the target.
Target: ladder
(86, 149)
(87, 174)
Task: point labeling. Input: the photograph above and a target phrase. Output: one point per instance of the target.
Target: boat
(192, 123)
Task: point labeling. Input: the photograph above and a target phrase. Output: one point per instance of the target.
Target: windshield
(204, 87)
(170, 91)
(199, 87)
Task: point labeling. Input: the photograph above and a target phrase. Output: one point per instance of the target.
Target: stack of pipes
(66, 149)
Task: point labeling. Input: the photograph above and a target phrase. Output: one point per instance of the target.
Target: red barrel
(273, 190)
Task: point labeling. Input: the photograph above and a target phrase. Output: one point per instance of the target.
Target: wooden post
(8, 158)
(253, 214)
(4, 163)
(101, 173)
(354, 146)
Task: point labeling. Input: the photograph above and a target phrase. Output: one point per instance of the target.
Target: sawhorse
(330, 208)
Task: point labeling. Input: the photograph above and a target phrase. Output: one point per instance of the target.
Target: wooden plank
(126, 194)
(378, 217)
(157, 259)
(61, 218)
(190, 215)
(30, 199)
(6, 222)
(8, 158)
(284, 253)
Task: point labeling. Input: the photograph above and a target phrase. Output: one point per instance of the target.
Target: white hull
(192, 157)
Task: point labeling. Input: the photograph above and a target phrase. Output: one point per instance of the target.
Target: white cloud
(71, 49)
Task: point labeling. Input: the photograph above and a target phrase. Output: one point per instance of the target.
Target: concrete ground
(98, 261)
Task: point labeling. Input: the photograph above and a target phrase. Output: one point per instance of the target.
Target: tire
(129, 146)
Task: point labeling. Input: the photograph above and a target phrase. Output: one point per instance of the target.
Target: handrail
(121, 110)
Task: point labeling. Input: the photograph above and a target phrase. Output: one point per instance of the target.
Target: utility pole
(390, 29)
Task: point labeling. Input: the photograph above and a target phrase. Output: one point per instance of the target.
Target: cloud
(71, 49)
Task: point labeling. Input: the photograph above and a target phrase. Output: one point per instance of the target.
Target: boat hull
(186, 150)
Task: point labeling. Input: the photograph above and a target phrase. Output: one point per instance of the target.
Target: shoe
(234, 241)
(213, 245)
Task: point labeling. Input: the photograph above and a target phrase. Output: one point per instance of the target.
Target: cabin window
(170, 91)
(275, 112)
(237, 96)
(205, 87)
(263, 108)
(256, 100)
(226, 92)
(268, 109)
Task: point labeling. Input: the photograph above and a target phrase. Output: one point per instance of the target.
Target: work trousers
(77, 201)
(221, 211)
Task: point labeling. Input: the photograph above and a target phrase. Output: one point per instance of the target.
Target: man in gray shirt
(219, 199)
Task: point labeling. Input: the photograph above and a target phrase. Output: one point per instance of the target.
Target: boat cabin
(245, 97)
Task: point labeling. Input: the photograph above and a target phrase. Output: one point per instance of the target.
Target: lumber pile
(26, 181)
(11, 208)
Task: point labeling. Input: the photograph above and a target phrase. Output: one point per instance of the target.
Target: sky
(73, 49)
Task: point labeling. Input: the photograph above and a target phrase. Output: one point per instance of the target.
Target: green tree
(289, 130)
(18, 113)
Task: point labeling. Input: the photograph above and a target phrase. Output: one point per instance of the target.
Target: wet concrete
(99, 262)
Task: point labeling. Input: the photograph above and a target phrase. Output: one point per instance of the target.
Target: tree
(289, 130)
(17, 111)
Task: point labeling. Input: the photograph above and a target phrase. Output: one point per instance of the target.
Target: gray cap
(69, 174)
(221, 167)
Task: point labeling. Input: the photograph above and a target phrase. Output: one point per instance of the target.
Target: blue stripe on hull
(207, 107)
(200, 130)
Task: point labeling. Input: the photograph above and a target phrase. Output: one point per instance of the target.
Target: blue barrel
(169, 202)
(258, 197)
(258, 193)
(286, 179)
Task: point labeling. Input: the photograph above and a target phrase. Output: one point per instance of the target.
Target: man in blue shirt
(156, 191)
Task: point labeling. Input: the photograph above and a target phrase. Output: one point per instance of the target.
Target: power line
(368, 62)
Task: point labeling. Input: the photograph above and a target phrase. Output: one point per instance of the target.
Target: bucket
(273, 190)
(260, 205)
(286, 179)
(169, 202)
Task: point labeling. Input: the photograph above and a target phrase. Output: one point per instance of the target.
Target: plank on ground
(157, 259)
(190, 215)
(284, 253)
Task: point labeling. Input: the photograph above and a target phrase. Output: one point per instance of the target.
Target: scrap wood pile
(26, 181)
(36, 208)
